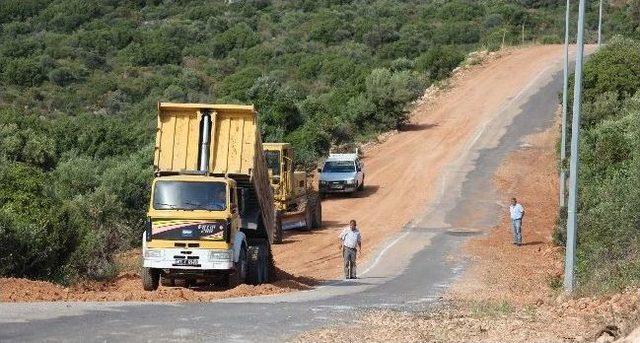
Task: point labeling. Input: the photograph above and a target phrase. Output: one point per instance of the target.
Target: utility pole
(563, 138)
(523, 33)
(569, 267)
(600, 25)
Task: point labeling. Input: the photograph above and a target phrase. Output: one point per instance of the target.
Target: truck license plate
(185, 262)
(338, 186)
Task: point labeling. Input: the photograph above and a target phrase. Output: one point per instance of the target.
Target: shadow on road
(416, 127)
(533, 243)
(367, 191)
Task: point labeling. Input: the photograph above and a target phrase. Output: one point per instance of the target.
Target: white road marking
(375, 262)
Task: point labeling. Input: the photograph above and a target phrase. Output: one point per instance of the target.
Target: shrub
(439, 61)
(23, 72)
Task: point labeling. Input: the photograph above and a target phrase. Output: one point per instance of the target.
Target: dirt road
(402, 173)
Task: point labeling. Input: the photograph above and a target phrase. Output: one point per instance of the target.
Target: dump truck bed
(235, 149)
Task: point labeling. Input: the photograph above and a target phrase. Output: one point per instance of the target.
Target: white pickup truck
(341, 173)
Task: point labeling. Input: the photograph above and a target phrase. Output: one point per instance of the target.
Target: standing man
(517, 212)
(350, 243)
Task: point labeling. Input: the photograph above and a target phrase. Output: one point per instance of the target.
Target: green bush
(610, 69)
(23, 72)
(439, 61)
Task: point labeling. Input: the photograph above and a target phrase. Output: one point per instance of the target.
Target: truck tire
(257, 264)
(271, 268)
(308, 216)
(167, 282)
(317, 215)
(238, 276)
(278, 233)
(150, 279)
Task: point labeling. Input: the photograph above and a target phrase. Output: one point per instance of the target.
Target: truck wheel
(308, 216)
(361, 187)
(271, 267)
(257, 264)
(278, 233)
(167, 281)
(239, 275)
(317, 215)
(150, 279)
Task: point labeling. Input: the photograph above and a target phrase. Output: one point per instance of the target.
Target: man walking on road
(350, 243)
(517, 213)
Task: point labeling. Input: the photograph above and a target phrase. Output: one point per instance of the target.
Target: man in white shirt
(517, 213)
(350, 242)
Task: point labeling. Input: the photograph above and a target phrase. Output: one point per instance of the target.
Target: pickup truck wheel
(257, 264)
(150, 279)
(361, 186)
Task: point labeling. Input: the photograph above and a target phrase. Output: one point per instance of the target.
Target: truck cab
(193, 224)
(341, 173)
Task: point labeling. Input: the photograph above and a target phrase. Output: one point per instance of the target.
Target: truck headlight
(223, 256)
(351, 181)
(152, 253)
(322, 182)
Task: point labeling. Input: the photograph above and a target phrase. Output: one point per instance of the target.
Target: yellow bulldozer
(294, 196)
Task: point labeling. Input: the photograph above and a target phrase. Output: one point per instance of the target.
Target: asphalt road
(409, 272)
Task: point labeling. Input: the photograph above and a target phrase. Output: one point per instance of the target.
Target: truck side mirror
(319, 170)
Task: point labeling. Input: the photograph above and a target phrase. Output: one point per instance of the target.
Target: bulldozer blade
(293, 221)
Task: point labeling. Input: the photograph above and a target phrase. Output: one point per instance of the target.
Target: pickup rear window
(339, 167)
(185, 195)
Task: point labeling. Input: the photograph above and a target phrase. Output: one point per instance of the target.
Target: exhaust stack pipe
(205, 141)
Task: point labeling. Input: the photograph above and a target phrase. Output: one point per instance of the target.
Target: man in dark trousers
(350, 242)
(516, 211)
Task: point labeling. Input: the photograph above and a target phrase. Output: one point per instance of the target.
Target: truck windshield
(184, 195)
(273, 161)
(339, 167)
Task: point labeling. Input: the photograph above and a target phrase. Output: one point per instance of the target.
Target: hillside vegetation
(608, 252)
(79, 82)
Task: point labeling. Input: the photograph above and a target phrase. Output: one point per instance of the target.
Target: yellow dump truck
(295, 198)
(211, 216)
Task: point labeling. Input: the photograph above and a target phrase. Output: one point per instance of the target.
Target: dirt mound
(127, 287)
